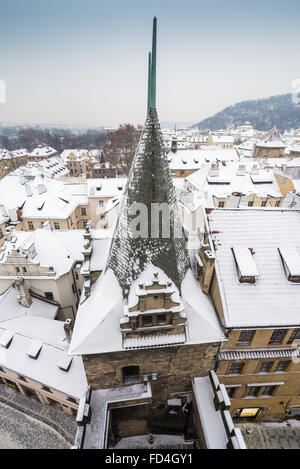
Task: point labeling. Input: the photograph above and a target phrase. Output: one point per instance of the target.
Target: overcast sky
(85, 61)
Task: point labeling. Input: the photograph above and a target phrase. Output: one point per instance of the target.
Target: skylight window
(247, 270)
(291, 262)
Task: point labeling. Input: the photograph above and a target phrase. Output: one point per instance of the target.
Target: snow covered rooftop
(42, 151)
(38, 197)
(273, 300)
(66, 248)
(97, 329)
(272, 139)
(10, 308)
(232, 178)
(185, 160)
(37, 349)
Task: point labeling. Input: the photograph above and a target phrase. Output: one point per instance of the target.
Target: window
(45, 388)
(278, 337)
(24, 269)
(73, 288)
(101, 204)
(265, 367)
(221, 204)
(252, 391)
(84, 224)
(161, 320)
(49, 295)
(17, 270)
(295, 336)
(246, 338)
(131, 375)
(231, 392)
(250, 204)
(277, 203)
(30, 225)
(21, 378)
(83, 212)
(1, 234)
(236, 369)
(56, 225)
(102, 216)
(71, 399)
(283, 365)
(147, 321)
(269, 390)
(76, 275)
(264, 203)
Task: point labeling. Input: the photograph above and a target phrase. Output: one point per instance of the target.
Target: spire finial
(149, 80)
(153, 65)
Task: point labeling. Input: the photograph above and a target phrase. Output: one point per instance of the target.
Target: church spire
(149, 229)
(153, 66)
(149, 80)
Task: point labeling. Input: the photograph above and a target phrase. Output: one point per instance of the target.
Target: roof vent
(245, 264)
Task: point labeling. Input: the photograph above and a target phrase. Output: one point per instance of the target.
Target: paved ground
(19, 431)
(160, 442)
(26, 423)
(272, 436)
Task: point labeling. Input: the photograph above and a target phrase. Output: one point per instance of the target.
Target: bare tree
(121, 147)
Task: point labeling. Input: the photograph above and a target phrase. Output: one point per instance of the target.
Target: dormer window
(161, 319)
(247, 270)
(147, 321)
(291, 263)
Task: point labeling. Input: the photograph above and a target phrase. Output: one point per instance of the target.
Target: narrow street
(19, 431)
(25, 423)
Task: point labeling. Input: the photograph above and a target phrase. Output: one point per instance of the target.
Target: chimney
(28, 190)
(241, 171)
(24, 297)
(68, 328)
(41, 188)
(214, 170)
(207, 271)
